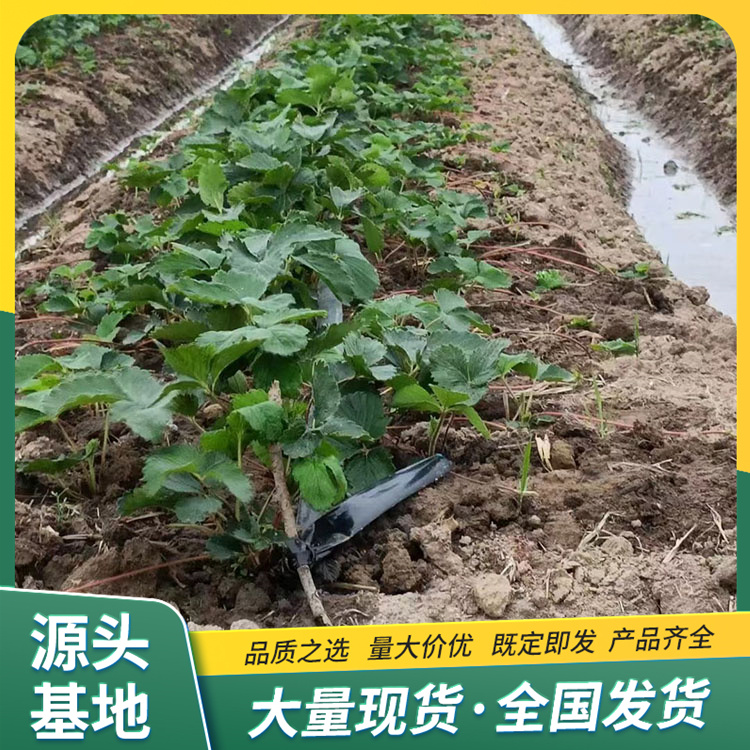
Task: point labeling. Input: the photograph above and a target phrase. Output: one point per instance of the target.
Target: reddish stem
(131, 573)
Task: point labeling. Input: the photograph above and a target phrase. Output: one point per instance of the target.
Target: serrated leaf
(365, 409)
(30, 366)
(321, 481)
(464, 371)
(266, 420)
(76, 390)
(415, 397)
(287, 370)
(448, 399)
(196, 509)
(325, 394)
(143, 408)
(368, 468)
(109, 326)
(181, 331)
(212, 184)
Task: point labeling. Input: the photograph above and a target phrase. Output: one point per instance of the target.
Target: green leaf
(415, 397)
(266, 419)
(541, 372)
(368, 468)
(211, 184)
(181, 331)
(365, 409)
(76, 390)
(373, 236)
(287, 370)
(109, 326)
(448, 399)
(30, 366)
(342, 198)
(218, 469)
(181, 468)
(464, 371)
(474, 419)
(451, 312)
(345, 270)
(61, 463)
(616, 348)
(92, 357)
(143, 407)
(196, 509)
(482, 273)
(259, 162)
(321, 481)
(325, 394)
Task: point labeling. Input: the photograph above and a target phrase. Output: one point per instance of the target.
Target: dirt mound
(681, 72)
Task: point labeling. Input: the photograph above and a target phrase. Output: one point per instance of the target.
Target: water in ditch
(678, 214)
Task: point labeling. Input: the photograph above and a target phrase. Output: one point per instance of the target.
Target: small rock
(244, 625)
(213, 411)
(698, 295)
(435, 540)
(524, 610)
(670, 167)
(501, 510)
(193, 627)
(617, 328)
(560, 585)
(399, 573)
(617, 546)
(726, 574)
(537, 212)
(465, 541)
(524, 568)
(628, 583)
(595, 575)
(636, 523)
(535, 522)
(492, 593)
(561, 455)
(251, 598)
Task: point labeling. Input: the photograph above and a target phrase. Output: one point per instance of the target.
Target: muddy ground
(66, 119)
(682, 75)
(634, 514)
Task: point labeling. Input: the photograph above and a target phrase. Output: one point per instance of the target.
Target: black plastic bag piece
(341, 523)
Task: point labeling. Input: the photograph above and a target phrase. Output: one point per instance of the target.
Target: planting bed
(70, 115)
(630, 493)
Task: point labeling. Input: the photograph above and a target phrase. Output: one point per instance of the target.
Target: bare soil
(684, 78)
(633, 514)
(67, 119)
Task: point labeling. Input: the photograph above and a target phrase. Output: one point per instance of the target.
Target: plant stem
(431, 448)
(92, 475)
(70, 443)
(105, 438)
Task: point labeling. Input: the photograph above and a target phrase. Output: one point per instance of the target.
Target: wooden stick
(290, 524)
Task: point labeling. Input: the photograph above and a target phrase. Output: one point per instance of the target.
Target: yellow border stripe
(226, 652)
